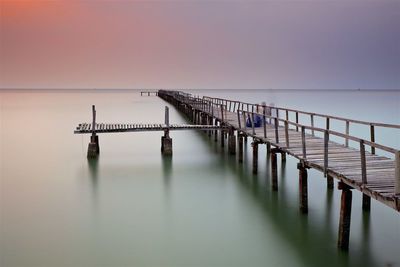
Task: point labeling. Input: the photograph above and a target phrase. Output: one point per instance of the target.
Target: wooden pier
(375, 176)
(148, 93)
(359, 168)
(95, 128)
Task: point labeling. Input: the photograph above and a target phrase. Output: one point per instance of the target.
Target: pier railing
(281, 117)
(244, 117)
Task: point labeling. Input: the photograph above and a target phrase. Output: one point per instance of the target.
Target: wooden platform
(373, 175)
(86, 128)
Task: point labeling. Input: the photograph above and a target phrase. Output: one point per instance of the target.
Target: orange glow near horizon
(27, 10)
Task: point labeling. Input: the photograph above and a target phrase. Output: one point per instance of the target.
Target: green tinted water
(132, 207)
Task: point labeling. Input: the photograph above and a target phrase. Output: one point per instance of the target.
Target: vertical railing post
(287, 133)
(93, 119)
(238, 116)
(363, 162)
(327, 123)
(252, 122)
(347, 133)
(222, 113)
(326, 145)
(166, 120)
(372, 130)
(297, 121)
(264, 122)
(312, 124)
(244, 120)
(397, 173)
(303, 141)
(276, 131)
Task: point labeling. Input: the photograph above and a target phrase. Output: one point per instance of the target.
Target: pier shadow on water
(312, 236)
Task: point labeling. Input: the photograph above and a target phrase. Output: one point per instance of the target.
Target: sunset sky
(200, 44)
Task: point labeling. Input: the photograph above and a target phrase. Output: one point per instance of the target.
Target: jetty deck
(86, 128)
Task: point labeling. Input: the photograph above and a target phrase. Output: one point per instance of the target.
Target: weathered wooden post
(397, 173)
(240, 144)
(345, 216)
(303, 188)
(255, 156)
(274, 169)
(366, 200)
(216, 131)
(329, 182)
(93, 147)
(166, 140)
(232, 142)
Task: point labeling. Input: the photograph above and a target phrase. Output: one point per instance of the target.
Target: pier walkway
(375, 176)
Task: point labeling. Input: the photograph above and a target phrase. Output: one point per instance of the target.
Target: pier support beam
(345, 216)
(303, 188)
(93, 147)
(255, 157)
(329, 182)
(274, 170)
(283, 156)
(366, 202)
(240, 145)
(216, 131)
(166, 144)
(222, 135)
(232, 142)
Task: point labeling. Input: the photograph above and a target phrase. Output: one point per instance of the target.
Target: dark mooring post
(240, 145)
(303, 187)
(166, 140)
(255, 157)
(274, 170)
(93, 147)
(345, 216)
(232, 142)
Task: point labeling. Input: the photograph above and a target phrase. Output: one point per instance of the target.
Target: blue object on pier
(257, 121)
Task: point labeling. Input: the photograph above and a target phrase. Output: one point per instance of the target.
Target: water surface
(132, 207)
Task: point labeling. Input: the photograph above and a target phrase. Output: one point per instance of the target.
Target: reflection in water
(93, 165)
(301, 231)
(167, 170)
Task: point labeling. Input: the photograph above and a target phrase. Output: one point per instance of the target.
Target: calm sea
(132, 207)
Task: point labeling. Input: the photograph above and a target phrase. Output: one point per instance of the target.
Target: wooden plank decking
(86, 128)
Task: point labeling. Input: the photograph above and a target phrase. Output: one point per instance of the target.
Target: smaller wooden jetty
(95, 128)
(148, 93)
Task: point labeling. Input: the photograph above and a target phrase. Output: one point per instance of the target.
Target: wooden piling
(93, 147)
(222, 135)
(274, 170)
(255, 157)
(240, 147)
(345, 216)
(303, 188)
(329, 182)
(232, 142)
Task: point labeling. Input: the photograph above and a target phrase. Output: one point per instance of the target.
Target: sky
(279, 44)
